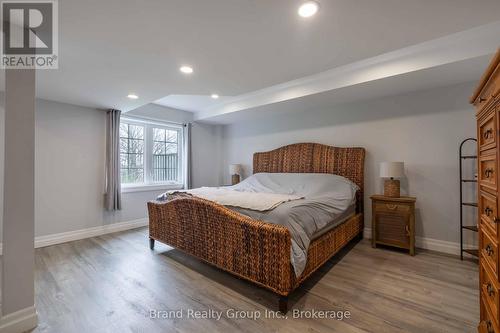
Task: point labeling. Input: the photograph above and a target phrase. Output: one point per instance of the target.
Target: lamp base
(392, 188)
(235, 179)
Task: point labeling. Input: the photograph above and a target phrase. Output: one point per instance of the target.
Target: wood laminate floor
(111, 283)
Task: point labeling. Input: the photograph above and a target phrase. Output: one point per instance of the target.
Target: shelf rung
(470, 227)
(468, 156)
(472, 204)
(474, 252)
(469, 180)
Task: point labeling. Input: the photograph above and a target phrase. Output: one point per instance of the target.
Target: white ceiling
(110, 48)
(427, 79)
(458, 57)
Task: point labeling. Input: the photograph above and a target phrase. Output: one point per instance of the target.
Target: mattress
(285, 211)
(346, 215)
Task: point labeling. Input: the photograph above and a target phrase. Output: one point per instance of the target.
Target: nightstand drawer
(392, 208)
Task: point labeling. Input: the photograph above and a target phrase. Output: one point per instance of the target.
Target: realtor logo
(30, 34)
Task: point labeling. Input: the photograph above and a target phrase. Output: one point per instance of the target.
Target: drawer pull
(487, 133)
(489, 327)
(481, 99)
(488, 211)
(489, 250)
(488, 172)
(407, 229)
(490, 290)
(391, 207)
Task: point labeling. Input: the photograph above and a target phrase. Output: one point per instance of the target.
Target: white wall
(423, 129)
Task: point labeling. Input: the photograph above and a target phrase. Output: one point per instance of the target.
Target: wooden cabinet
(486, 99)
(393, 222)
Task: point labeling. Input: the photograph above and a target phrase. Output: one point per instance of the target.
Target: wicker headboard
(315, 158)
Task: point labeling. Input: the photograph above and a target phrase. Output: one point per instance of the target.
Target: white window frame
(149, 184)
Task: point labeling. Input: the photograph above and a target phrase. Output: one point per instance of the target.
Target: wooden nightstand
(393, 222)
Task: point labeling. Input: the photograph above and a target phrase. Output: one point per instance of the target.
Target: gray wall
(2, 150)
(423, 129)
(69, 171)
(207, 155)
(70, 164)
(18, 259)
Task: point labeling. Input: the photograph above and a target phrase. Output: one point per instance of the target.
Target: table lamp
(389, 171)
(235, 172)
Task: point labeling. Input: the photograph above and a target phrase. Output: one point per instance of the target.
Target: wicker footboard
(323, 248)
(254, 250)
(251, 249)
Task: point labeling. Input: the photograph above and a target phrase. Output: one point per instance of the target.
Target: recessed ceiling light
(214, 96)
(186, 69)
(132, 96)
(308, 9)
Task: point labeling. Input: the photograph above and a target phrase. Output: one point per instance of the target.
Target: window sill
(153, 187)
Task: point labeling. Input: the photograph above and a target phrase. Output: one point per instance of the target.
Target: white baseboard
(428, 243)
(20, 321)
(64, 237)
(42, 241)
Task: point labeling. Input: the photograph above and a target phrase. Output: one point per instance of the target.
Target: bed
(252, 249)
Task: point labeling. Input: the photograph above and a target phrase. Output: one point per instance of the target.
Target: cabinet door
(392, 229)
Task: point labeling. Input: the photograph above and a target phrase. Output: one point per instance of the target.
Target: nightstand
(393, 222)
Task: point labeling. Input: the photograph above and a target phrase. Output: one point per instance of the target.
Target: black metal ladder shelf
(464, 181)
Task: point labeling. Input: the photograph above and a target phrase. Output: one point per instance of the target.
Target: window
(150, 153)
(132, 153)
(165, 155)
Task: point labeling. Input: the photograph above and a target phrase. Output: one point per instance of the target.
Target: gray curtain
(188, 168)
(113, 199)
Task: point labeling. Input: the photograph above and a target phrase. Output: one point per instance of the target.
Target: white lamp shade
(392, 169)
(235, 169)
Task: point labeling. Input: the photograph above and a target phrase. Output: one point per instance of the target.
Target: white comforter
(259, 201)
